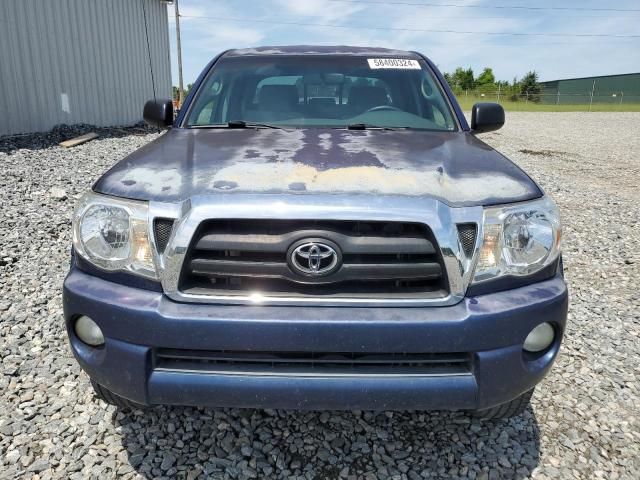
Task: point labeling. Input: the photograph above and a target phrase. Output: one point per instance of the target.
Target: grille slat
(348, 244)
(313, 363)
(371, 271)
(379, 259)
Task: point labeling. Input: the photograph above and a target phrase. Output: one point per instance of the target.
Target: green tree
(485, 83)
(514, 90)
(486, 77)
(530, 88)
(463, 79)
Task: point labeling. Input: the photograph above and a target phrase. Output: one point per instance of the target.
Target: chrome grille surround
(370, 259)
(439, 217)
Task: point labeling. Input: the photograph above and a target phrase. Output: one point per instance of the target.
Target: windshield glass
(322, 91)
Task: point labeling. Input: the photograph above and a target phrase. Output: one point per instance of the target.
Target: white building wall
(80, 61)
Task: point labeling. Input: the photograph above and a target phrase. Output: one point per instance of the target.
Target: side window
(204, 117)
(208, 103)
(433, 99)
(439, 118)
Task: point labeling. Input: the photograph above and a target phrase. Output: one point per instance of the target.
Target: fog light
(540, 338)
(89, 332)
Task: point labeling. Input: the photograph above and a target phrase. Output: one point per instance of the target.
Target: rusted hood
(455, 168)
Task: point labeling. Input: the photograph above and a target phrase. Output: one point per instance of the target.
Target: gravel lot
(585, 420)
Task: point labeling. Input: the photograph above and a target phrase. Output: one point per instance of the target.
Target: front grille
(378, 259)
(312, 363)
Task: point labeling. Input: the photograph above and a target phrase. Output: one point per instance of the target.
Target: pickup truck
(318, 228)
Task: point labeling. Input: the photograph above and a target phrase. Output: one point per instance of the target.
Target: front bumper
(490, 327)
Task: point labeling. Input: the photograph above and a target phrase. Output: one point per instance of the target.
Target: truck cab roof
(320, 50)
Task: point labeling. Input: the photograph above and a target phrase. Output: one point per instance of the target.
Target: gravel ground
(584, 421)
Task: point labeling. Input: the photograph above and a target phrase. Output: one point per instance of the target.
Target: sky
(557, 39)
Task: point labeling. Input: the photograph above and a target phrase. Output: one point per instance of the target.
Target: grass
(467, 102)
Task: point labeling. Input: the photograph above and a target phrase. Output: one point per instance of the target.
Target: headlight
(519, 239)
(104, 232)
(113, 234)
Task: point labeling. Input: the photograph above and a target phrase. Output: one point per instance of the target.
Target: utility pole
(180, 84)
(592, 90)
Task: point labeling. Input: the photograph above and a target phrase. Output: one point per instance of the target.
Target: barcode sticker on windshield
(404, 63)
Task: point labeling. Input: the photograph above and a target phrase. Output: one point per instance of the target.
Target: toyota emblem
(314, 258)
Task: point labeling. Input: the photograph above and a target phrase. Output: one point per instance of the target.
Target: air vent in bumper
(312, 363)
(467, 233)
(162, 228)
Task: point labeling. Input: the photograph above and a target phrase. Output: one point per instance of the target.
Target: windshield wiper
(366, 126)
(237, 124)
(243, 124)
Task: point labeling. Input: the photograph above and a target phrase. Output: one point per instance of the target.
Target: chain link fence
(558, 98)
(615, 92)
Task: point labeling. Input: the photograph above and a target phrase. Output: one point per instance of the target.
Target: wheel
(113, 399)
(506, 410)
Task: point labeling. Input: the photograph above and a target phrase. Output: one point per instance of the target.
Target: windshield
(321, 91)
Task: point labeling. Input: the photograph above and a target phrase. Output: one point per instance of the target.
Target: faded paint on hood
(455, 168)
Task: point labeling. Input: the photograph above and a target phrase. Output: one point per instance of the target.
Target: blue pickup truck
(319, 228)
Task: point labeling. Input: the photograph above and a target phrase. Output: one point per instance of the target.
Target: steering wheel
(381, 108)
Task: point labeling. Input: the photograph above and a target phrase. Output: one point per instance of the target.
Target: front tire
(507, 410)
(113, 399)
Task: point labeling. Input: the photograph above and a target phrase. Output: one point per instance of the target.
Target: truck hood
(453, 167)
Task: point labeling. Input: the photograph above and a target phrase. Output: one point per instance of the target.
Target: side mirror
(158, 113)
(486, 117)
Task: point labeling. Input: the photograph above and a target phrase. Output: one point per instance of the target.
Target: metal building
(616, 89)
(80, 61)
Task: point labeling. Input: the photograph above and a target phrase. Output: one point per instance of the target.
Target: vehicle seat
(324, 107)
(322, 102)
(362, 98)
(278, 98)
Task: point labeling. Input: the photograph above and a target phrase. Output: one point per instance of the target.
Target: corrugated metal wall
(79, 61)
(616, 89)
